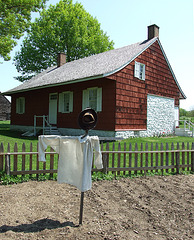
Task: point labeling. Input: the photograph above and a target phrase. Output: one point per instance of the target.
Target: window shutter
(71, 102)
(61, 103)
(143, 78)
(85, 99)
(137, 70)
(99, 99)
(17, 105)
(23, 105)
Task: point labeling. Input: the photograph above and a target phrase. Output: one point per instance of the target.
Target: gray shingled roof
(96, 66)
(93, 67)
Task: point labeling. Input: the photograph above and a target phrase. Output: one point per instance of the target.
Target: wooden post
(167, 157)
(146, 159)
(188, 161)
(7, 161)
(119, 158)
(162, 158)
(15, 164)
(37, 163)
(177, 160)
(172, 157)
(23, 158)
(113, 159)
(124, 160)
(192, 158)
(152, 159)
(31, 150)
(81, 208)
(156, 157)
(136, 158)
(130, 157)
(1, 157)
(141, 157)
(183, 156)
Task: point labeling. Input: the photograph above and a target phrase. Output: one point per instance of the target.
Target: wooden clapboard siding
(123, 160)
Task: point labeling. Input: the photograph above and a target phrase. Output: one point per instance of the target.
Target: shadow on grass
(5, 131)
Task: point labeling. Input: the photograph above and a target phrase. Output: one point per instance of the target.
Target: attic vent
(153, 31)
(61, 59)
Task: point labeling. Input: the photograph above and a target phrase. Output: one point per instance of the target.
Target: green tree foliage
(182, 112)
(15, 17)
(186, 114)
(66, 27)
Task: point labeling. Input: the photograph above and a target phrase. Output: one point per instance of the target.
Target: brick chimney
(153, 31)
(61, 59)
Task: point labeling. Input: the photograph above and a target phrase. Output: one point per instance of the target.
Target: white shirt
(75, 158)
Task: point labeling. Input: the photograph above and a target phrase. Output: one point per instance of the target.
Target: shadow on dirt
(37, 226)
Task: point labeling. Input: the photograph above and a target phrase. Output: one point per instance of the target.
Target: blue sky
(126, 22)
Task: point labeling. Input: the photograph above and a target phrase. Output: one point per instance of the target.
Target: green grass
(12, 137)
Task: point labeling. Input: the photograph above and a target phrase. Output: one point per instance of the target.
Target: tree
(15, 17)
(67, 28)
(182, 112)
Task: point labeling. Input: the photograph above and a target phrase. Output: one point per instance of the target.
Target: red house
(133, 89)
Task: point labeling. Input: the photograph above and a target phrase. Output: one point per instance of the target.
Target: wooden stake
(81, 208)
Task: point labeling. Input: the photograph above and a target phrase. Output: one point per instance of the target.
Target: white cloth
(75, 158)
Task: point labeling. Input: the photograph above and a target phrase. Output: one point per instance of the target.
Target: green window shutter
(61, 102)
(71, 102)
(85, 99)
(22, 105)
(99, 99)
(17, 105)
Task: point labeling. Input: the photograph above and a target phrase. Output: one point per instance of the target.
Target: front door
(53, 108)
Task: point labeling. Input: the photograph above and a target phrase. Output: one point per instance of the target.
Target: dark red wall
(37, 103)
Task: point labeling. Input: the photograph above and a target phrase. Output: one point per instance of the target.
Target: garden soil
(157, 207)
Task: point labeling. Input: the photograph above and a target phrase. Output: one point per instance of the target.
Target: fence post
(7, 160)
(192, 158)
(104, 160)
(177, 160)
(146, 159)
(1, 157)
(15, 158)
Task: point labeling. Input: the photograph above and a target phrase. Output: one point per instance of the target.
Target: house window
(139, 71)
(20, 105)
(92, 97)
(66, 102)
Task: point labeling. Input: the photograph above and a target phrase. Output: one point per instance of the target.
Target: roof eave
(9, 93)
(181, 91)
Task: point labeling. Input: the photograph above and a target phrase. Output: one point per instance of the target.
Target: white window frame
(62, 107)
(20, 105)
(139, 71)
(86, 101)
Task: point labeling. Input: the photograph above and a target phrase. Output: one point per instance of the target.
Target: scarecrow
(75, 154)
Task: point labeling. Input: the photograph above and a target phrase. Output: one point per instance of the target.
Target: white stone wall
(160, 115)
